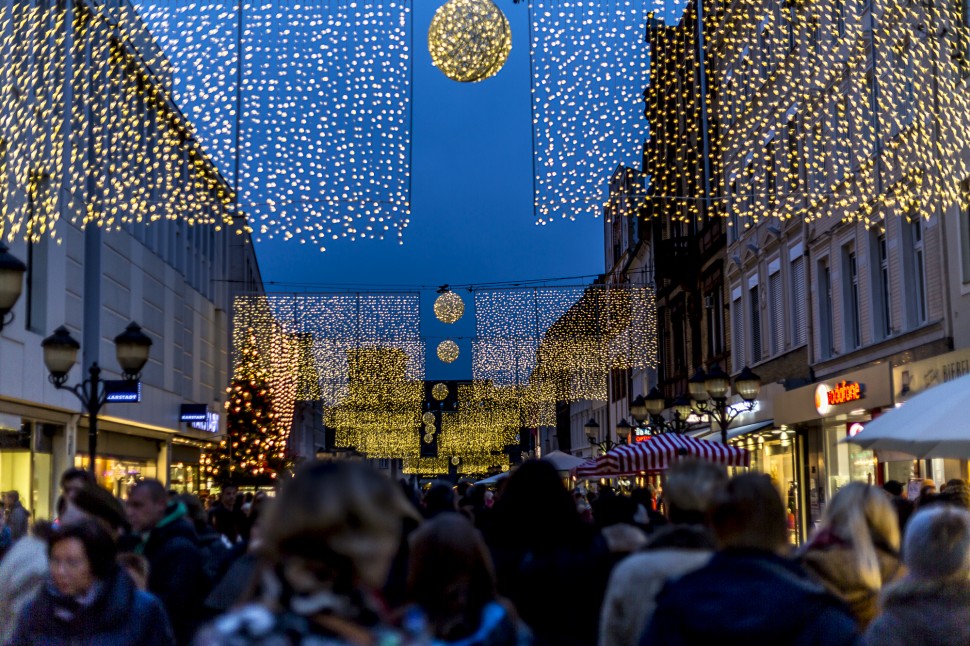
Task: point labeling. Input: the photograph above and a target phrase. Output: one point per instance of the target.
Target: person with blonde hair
(328, 543)
(855, 551)
(931, 604)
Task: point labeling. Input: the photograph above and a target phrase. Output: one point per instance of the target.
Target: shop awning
(713, 434)
(658, 453)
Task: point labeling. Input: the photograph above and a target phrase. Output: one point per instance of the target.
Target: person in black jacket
(163, 534)
(90, 600)
(749, 593)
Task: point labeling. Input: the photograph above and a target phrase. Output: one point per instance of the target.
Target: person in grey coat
(931, 604)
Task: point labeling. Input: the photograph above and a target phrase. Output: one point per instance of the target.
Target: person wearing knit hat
(931, 604)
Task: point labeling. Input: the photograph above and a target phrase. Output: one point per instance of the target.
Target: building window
(881, 298)
(814, 37)
(714, 304)
(791, 136)
(838, 18)
(798, 295)
(737, 329)
(769, 171)
(915, 270)
(850, 298)
(754, 303)
(777, 308)
(825, 348)
(965, 228)
(734, 230)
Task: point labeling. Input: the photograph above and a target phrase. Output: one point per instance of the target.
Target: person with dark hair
(541, 548)
(89, 600)
(16, 517)
(439, 498)
(903, 506)
(328, 543)
(224, 517)
(162, 533)
(749, 593)
(683, 546)
(452, 583)
(217, 552)
(75, 479)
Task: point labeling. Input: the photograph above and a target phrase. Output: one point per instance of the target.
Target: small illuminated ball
(448, 351)
(449, 307)
(428, 438)
(455, 459)
(469, 40)
(428, 418)
(439, 391)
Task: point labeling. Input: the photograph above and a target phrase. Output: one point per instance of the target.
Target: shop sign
(210, 425)
(122, 391)
(193, 413)
(641, 434)
(917, 376)
(841, 393)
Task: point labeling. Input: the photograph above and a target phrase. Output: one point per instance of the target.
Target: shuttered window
(754, 300)
(737, 329)
(798, 306)
(777, 309)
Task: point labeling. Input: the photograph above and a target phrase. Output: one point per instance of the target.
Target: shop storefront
(26, 461)
(123, 459)
(817, 418)
(909, 380)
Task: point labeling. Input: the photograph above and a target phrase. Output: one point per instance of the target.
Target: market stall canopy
(659, 453)
(562, 461)
(494, 479)
(933, 424)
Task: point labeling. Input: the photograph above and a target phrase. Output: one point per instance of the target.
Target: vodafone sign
(841, 393)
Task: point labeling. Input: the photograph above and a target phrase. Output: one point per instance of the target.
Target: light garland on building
(469, 40)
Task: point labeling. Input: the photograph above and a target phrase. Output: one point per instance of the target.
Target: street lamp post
(60, 354)
(605, 446)
(709, 394)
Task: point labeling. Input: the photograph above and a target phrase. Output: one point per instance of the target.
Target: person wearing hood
(931, 604)
(89, 600)
(163, 534)
(749, 593)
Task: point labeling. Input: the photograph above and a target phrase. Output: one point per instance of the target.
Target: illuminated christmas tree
(254, 450)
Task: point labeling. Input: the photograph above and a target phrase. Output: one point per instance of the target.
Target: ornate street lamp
(11, 283)
(132, 348)
(605, 446)
(712, 400)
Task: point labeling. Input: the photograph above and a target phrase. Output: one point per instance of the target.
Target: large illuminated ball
(448, 351)
(449, 307)
(439, 391)
(469, 40)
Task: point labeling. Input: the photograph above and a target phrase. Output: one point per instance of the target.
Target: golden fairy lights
(448, 351)
(590, 67)
(469, 40)
(439, 391)
(449, 307)
(324, 140)
(100, 139)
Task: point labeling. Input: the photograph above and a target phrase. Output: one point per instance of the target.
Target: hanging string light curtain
(562, 342)
(305, 106)
(590, 67)
(100, 139)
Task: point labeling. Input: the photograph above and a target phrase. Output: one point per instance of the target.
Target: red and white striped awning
(659, 453)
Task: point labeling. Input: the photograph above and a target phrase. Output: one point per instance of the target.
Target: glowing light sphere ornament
(448, 351)
(439, 391)
(469, 40)
(449, 307)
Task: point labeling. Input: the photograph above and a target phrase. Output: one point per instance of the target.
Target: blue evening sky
(472, 219)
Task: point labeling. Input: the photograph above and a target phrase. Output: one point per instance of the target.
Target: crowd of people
(344, 556)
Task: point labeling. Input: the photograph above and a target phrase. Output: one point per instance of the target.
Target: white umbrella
(933, 424)
(494, 479)
(563, 461)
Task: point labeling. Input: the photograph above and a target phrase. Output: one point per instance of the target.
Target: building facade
(88, 129)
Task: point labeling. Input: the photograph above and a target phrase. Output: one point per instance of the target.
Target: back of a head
(690, 487)
(535, 509)
(342, 516)
(196, 511)
(954, 483)
(450, 574)
(154, 489)
(956, 494)
(937, 544)
(98, 502)
(893, 487)
(748, 513)
(440, 498)
(615, 510)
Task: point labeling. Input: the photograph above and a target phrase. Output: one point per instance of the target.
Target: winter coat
(18, 521)
(176, 572)
(120, 615)
(749, 597)
(834, 567)
(236, 582)
(22, 574)
(631, 594)
(922, 613)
